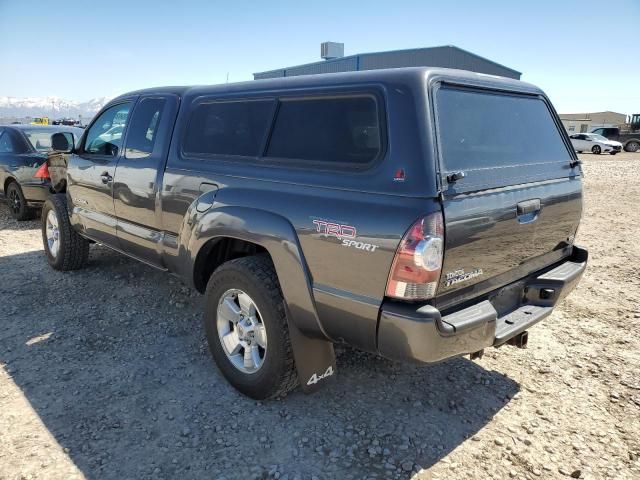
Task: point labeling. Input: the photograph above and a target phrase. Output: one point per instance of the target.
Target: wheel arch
(226, 232)
(247, 228)
(7, 181)
(217, 251)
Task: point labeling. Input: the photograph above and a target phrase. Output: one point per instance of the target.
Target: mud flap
(315, 359)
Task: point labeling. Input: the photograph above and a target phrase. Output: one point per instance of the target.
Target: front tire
(613, 153)
(18, 203)
(596, 149)
(64, 248)
(246, 328)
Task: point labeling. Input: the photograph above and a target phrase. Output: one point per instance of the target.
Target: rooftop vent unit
(331, 50)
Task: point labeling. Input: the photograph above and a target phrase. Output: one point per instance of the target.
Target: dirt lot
(104, 373)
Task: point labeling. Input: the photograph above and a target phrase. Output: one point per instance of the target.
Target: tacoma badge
(458, 276)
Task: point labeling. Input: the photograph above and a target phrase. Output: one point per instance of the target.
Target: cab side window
(341, 130)
(105, 135)
(144, 127)
(228, 128)
(6, 145)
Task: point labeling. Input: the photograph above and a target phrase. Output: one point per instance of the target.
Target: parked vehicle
(629, 140)
(400, 211)
(66, 121)
(40, 121)
(594, 143)
(23, 148)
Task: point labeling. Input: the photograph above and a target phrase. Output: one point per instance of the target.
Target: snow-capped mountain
(52, 107)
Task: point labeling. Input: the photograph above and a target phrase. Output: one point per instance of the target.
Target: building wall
(585, 122)
(447, 57)
(577, 126)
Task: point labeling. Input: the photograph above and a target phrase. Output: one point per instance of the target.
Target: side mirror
(62, 142)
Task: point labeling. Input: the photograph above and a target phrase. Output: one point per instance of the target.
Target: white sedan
(594, 143)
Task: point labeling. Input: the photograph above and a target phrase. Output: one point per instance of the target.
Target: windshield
(41, 139)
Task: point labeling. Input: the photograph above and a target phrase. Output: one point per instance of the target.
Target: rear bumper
(423, 334)
(35, 193)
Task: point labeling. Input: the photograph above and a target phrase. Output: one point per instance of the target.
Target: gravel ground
(105, 373)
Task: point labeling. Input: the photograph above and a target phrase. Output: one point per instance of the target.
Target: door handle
(528, 210)
(528, 206)
(106, 178)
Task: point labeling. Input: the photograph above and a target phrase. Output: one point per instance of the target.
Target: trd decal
(347, 233)
(368, 247)
(335, 229)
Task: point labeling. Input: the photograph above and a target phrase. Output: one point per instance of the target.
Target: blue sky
(579, 52)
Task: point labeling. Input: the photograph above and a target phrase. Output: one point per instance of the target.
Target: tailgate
(516, 204)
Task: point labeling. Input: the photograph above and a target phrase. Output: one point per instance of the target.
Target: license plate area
(508, 298)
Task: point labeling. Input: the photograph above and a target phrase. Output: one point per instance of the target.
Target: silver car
(594, 143)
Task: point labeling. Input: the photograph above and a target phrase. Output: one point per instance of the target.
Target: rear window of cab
(327, 131)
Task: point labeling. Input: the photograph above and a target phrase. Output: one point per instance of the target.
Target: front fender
(269, 230)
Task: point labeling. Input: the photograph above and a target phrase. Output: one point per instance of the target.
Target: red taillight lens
(42, 172)
(415, 271)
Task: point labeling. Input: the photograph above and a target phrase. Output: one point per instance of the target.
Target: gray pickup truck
(402, 212)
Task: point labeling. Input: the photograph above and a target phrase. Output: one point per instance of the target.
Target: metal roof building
(446, 56)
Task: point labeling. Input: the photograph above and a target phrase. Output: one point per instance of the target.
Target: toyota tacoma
(403, 212)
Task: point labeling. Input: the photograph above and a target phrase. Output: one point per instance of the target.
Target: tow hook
(476, 355)
(519, 340)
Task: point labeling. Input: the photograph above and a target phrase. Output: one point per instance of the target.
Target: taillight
(415, 271)
(42, 172)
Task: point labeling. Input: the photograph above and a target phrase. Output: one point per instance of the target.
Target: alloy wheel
(15, 204)
(241, 331)
(52, 233)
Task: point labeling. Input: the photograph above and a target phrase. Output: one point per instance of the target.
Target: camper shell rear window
(495, 137)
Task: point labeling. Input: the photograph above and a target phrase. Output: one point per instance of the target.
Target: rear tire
(244, 301)
(632, 146)
(596, 149)
(18, 203)
(613, 153)
(64, 248)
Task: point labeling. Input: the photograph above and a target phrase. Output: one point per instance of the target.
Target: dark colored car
(400, 211)
(629, 140)
(23, 149)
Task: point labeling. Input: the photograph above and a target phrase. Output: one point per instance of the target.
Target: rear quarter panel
(21, 167)
(325, 207)
(348, 280)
